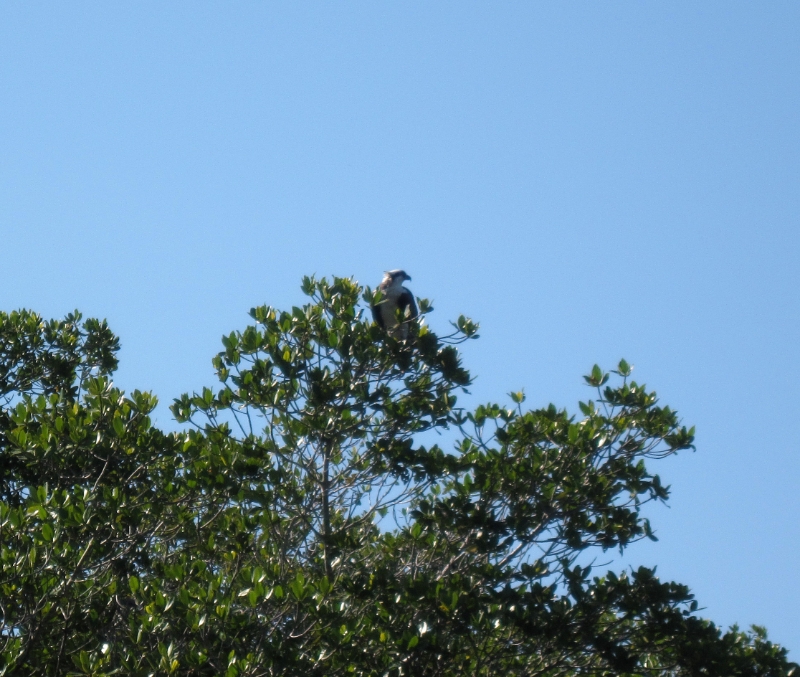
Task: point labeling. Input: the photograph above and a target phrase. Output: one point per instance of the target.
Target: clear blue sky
(589, 181)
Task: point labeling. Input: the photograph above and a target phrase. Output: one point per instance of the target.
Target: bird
(395, 297)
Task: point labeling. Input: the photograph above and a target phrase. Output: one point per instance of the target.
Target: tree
(299, 525)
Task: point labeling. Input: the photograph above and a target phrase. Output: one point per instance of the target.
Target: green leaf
(573, 433)
(119, 426)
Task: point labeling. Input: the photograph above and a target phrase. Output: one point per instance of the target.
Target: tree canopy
(302, 522)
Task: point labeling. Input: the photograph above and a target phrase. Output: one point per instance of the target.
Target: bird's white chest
(393, 292)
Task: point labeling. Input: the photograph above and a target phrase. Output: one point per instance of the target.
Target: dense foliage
(299, 526)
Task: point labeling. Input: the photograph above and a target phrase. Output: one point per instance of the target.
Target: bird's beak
(408, 277)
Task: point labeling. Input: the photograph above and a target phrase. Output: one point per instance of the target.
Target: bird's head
(396, 277)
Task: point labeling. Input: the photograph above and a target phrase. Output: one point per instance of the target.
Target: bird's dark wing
(406, 301)
(377, 316)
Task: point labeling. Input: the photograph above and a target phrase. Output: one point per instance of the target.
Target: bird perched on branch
(395, 297)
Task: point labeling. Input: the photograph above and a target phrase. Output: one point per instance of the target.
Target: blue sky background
(589, 181)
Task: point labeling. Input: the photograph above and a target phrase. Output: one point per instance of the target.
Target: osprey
(395, 297)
